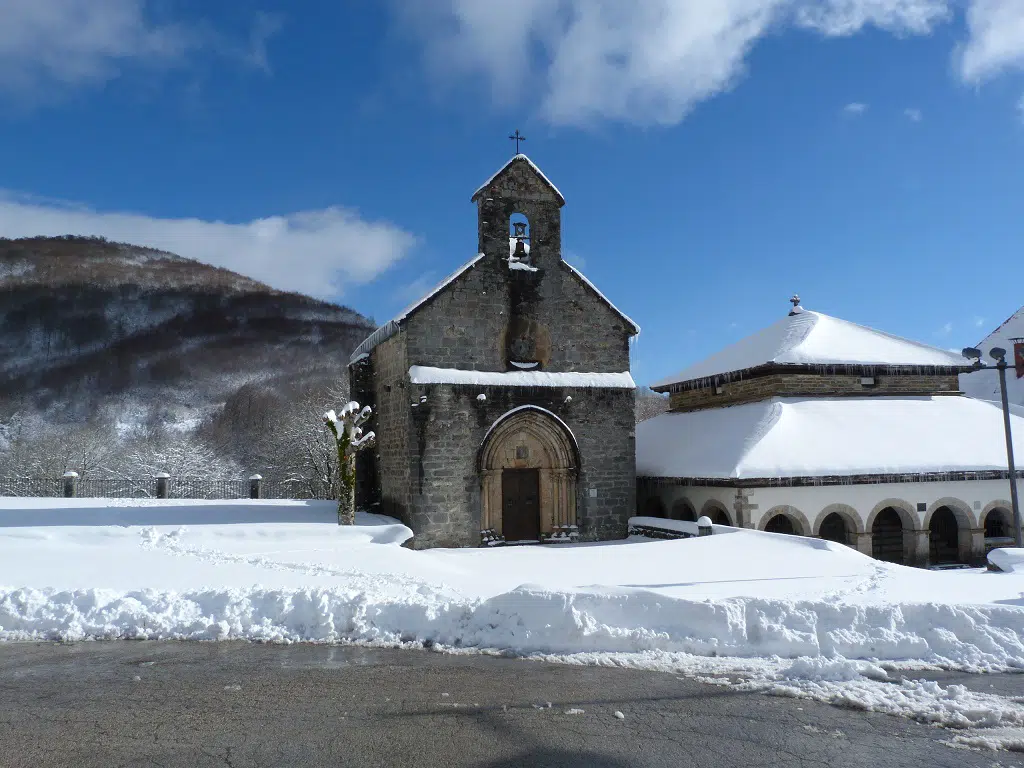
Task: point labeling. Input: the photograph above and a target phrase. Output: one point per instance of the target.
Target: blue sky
(715, 158)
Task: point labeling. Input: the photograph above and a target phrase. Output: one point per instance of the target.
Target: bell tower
(519, 215)
(520, 229)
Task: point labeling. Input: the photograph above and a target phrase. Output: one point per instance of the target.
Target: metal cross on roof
(517, 137)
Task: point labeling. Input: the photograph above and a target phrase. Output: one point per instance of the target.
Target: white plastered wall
(807, 506)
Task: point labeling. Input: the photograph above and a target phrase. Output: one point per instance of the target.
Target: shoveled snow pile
(1007, 559)
(791, 615)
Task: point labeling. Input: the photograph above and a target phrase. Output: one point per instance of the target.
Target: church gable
(580, 279)
(517, 305)
(519, 177)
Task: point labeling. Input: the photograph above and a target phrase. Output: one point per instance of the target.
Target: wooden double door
(520, 507)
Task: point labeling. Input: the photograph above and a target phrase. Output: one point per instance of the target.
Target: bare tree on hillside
(649, 404)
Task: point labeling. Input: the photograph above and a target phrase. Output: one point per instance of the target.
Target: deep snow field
(787, 615)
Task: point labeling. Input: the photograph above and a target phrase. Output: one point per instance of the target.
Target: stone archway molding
(970, 534)
(905, 510)
(801, 525)
(961, 511)
(682, 506)
(1003, 504)
(711, 506)
(530, 437)
(850, 516)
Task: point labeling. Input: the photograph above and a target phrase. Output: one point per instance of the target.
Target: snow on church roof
(390, 328)
(420, 374)
(521, 158)
(815, 437)
(586, 281)
(812, 338)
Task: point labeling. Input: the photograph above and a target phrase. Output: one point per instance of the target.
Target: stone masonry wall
(429, 436)
(392, 424)
(449, 427)
(799, 384)
(464, 326)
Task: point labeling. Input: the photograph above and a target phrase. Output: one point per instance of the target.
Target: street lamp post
(999, 355)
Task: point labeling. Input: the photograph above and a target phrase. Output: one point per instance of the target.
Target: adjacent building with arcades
(817, 426)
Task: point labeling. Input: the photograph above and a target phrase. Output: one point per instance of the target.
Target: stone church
(503, 401)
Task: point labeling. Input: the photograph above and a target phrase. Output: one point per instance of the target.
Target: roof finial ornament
(517, 137)
(797, 309)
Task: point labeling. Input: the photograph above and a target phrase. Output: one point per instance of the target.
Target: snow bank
(792, 616)
(529, 620)
(1008, 559)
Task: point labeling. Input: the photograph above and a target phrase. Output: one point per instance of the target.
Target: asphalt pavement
(246, 705)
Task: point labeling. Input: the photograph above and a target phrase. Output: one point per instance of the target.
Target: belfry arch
(529, 466)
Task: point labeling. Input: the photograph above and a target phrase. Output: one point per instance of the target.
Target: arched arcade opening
(887, 537)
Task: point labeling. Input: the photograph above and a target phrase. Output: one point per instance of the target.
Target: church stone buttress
(530, 448)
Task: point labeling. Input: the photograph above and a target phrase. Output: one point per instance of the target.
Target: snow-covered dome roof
(820, 437)
(811, 338)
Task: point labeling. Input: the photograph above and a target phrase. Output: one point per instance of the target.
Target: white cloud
(647, 61)
(913, 114)
(47, 44)
(996, 39)
(855, 108)
(979, 321)
(945, 330)
(653, 61)
(848, 17)
(320, 253)
(1020, 109)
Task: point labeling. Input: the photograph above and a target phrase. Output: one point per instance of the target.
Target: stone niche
(527, 342)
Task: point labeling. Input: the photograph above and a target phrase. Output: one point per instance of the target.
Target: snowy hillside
(985, 384)
(93, 323)
(797, 616)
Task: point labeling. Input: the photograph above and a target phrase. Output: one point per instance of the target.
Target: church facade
(503, 402)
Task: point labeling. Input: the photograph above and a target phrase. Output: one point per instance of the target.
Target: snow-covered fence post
(255, 492)
(70, 485)
(162, 482)
(704, 526)
(349, 438)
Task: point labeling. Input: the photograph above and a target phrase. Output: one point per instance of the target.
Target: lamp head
(998, 354)
(971, 353)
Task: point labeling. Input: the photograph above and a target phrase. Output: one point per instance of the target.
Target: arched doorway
(653, 507)
(997, 524)
(887, 537)
(780, 524)
(528, 469)
(943, 537)
(834, 528)
(683, 510)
